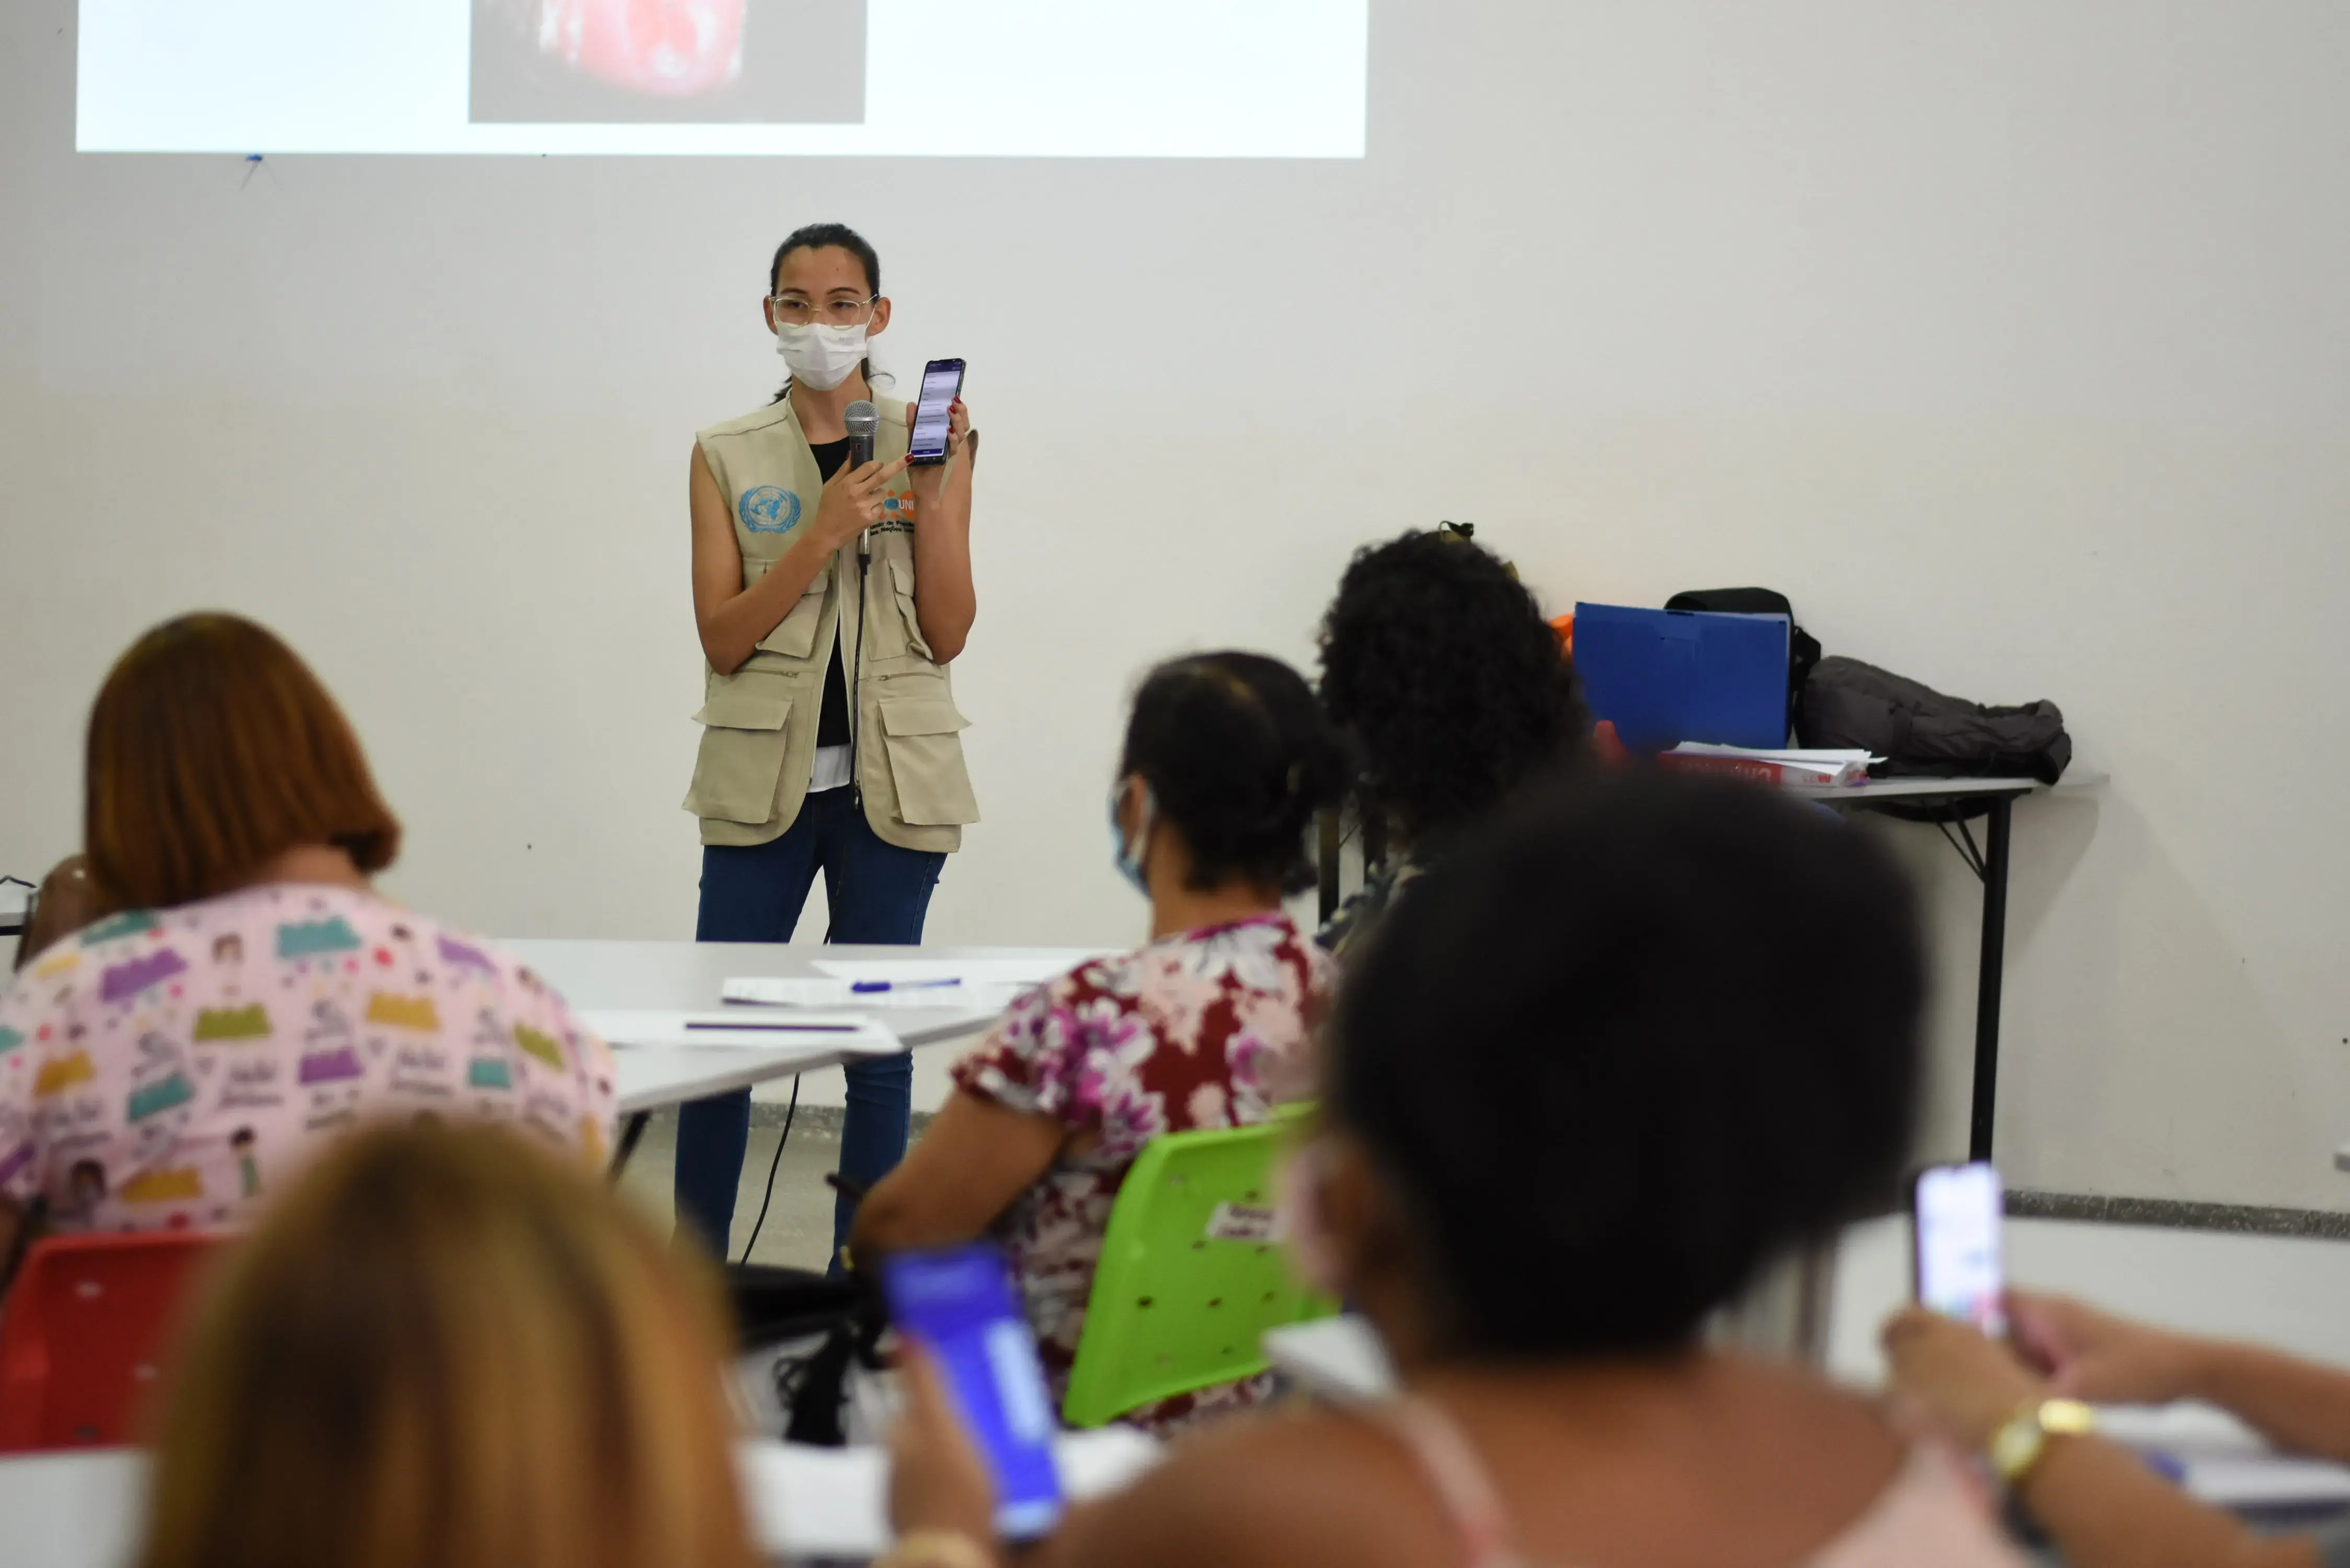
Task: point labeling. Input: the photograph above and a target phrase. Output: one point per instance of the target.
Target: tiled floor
(799, 1231)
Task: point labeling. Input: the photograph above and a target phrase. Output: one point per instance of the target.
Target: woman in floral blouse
(1227, 759)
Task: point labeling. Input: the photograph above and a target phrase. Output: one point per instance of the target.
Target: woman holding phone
(829, 596)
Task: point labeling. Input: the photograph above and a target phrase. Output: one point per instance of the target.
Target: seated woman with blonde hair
(443, 1346)
(243, 995)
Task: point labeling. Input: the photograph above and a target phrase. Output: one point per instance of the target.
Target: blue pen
(867, 987)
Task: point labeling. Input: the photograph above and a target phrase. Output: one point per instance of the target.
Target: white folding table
(689, 977)
(83, 1509)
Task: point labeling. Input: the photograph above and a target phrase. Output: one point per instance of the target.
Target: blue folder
(1663, 677)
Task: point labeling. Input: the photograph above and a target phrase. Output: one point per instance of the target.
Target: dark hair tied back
(1239, 758)
(1638, 1033)
(828, 236)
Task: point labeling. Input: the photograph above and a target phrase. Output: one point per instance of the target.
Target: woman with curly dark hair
(1439, 666)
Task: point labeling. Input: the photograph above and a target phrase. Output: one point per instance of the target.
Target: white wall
(2007, 339)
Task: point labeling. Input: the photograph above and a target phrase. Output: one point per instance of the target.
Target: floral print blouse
(1202, 1028)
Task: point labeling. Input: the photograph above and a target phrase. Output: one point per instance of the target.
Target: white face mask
(822, 355)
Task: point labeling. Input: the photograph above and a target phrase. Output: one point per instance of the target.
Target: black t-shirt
(832, 720)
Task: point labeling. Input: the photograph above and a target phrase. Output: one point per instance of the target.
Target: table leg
(631, 1131)
(1988, 976)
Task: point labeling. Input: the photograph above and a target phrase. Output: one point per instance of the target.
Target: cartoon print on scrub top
(130, 923)
(158, 1105)
(125, 981)
(248, 1169)
(231, 1025)
(420, 1064)
(331, 1066)
(460, 955)
(179, 1184)
(492, 1066)
(317, 939)
(15, 1142)
(85, 1189)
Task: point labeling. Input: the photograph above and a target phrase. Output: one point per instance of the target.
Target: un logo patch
(770, 509)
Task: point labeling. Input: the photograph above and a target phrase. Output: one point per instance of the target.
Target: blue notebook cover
(1663, 677)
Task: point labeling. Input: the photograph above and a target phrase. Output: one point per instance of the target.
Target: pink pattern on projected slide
(667, 49)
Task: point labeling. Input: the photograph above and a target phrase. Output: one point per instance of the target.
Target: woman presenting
(830, 598)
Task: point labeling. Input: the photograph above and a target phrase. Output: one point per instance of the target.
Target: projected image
(611, 62)
(860, 78)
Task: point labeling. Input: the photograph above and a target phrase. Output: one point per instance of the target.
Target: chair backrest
(1192, 1273)
(81, 1331)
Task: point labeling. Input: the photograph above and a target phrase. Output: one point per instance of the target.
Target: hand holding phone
(1956, 1212)
(938, 1478)
(934, 413)
(959, 1302)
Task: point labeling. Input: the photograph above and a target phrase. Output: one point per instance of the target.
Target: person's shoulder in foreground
(1289, 1487)
(171, 1066)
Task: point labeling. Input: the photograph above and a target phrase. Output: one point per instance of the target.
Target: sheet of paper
(668, 1029)
(1027, 968)
(2219, 1460)
(768, 990)
(832, 1503)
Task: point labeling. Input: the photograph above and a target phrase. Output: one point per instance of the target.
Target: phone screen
(1957, 1220)
(941, 384)
(959, 1302)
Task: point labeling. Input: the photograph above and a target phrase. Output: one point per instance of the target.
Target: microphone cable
(772, 1166)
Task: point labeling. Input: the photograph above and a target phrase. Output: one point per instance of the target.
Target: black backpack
(1803, 647)
(1921, 733)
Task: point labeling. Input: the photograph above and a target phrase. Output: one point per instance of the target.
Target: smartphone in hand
(959, 1303)
(933, 410)
(1955, 1216)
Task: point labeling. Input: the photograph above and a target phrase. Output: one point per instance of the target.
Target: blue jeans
(875, 892)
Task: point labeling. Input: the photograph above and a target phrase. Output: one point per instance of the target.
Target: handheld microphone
(863, 422)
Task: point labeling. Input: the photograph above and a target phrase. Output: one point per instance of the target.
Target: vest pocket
(901, 587)
(742, 741)
(921, 732)
(795, 633)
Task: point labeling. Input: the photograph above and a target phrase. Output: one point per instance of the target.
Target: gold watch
(936, 1549)
(2016, 1447)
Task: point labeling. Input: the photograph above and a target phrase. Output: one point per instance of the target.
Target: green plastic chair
(1191, 1276)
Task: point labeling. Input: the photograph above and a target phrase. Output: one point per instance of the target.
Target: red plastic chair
(81, 1333)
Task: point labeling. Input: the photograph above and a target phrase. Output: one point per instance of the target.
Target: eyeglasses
(832, 312)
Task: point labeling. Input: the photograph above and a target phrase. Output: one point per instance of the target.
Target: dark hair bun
(1239, 757)
(1635, 1036)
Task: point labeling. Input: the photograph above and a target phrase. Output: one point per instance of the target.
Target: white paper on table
(1830, 765)
(670, 1029)
(1029, 969)
(792, 990)
(830, 1502)
(2220, 1461)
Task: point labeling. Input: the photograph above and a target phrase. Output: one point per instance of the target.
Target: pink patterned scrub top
(174, 1067)
(1202, 1028)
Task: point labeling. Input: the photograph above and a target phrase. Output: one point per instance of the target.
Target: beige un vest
(759, 724)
